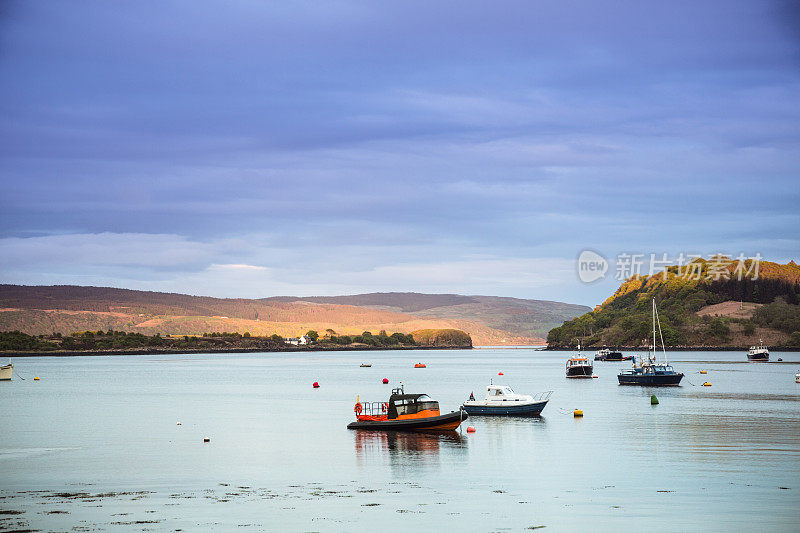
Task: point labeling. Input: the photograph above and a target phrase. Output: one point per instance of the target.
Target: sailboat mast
(654, 329)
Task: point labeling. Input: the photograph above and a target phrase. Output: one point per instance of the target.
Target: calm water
(95, 445)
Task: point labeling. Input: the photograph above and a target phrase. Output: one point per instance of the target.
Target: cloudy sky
(245, 148)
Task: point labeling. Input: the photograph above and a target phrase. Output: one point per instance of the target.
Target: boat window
(497, 392)
(428, 406)
(410, 407)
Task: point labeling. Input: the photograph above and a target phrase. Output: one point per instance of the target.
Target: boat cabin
(403, 405)
(577, 361)
(654, 369)
(502, 393)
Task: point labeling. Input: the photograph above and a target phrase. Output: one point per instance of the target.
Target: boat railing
(542, 396)
(374, 408)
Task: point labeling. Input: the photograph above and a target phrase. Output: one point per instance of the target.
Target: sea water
(117, 442)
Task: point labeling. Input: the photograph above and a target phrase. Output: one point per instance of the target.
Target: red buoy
(471, 429)
(385, 381)
(316, 384)
(499, 373)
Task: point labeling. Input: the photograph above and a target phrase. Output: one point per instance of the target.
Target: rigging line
(660, 334)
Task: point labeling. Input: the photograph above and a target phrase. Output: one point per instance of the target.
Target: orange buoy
(316, 385)
(420, 365)
(499, 373)
(471, 429)
(385, 381)
(594, 375)
(357, 409)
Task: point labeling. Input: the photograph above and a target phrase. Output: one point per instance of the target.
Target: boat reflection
(404, 448)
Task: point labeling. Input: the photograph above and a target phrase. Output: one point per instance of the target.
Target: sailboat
(649, 372)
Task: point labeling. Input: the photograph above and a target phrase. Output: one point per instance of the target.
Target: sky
(252, 149)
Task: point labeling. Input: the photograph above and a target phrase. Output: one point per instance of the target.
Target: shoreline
(674, 348)
(168, 351)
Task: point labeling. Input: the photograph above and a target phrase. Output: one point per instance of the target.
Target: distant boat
(365, 365)
(420, 365)
(6, 372)
(648, 372)
(607, 355)
(758, 353)
(579, 366)
(502, 400)
(797, 378)
(405, 412)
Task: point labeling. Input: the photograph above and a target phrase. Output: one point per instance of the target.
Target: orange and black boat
(405, 412)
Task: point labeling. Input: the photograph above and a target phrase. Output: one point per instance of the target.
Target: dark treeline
(120, 340)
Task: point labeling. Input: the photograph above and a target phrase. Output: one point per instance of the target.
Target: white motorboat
(6, 372)
(758, 353)
(502, 400)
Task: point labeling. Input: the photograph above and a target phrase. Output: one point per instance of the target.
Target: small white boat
(502, 400)
(6, 372)
(797, 378)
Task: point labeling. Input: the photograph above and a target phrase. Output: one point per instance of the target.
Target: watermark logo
(717, 267)
(591, 266)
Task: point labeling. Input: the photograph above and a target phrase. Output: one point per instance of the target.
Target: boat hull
(6, 372)
(446, 422)
(579, 372)
(529, 409)
(613, 356)
(650, 380)
(758, 357)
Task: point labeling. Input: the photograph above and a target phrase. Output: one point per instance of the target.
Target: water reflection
(403, 449)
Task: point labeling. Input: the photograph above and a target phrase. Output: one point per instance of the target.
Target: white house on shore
(297, 341)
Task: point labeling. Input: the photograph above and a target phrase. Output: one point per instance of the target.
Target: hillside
(527, 318)
(713, 306)
(65, 309)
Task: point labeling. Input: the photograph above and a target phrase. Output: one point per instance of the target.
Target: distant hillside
(65, 309)
(527, 318)
(703, 305)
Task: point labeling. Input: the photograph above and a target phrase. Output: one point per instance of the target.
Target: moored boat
(501, 400)
(579, 366)
(6, 372)
(758, 353)
(609, 355)
(405, 412)
(648, 372)
(797, 378)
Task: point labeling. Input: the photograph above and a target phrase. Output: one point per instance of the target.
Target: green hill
(442, 337)
(716, 302)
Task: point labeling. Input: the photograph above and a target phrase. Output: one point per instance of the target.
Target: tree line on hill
(120, 340)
